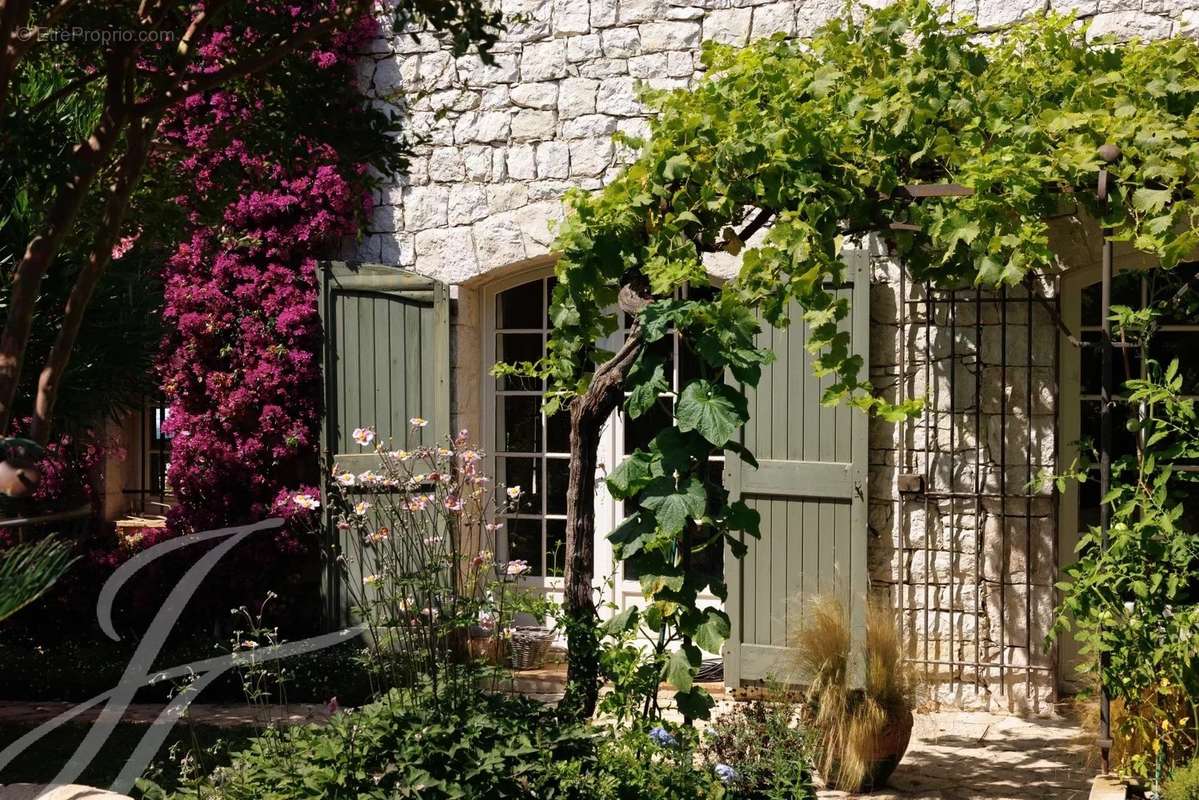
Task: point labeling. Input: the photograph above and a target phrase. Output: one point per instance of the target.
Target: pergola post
(1109, 153)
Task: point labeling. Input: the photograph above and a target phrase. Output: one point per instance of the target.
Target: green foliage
(482, 745)
(818, 138)
(770, 754)
(634, 765)
(1183, 783)
(28, 570)
(1133, 605)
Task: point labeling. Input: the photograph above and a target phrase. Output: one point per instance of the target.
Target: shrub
(651, 763)
(482, 746)
(759, 751)
(1183, 783)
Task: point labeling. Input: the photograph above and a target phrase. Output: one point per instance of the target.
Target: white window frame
(608, 575)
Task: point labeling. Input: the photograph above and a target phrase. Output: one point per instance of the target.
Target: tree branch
(128, 173)
(41, 251)
(588, 413)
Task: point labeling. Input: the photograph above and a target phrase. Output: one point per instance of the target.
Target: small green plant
(1183, 783)
(760, 752)
(862, 733)
(28, 570)
(652, 762)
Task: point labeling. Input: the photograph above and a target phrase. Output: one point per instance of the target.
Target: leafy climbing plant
(788, 150)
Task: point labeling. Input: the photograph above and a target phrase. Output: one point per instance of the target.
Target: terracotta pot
(886, 751)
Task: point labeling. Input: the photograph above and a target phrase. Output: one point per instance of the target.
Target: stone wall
(498, 146)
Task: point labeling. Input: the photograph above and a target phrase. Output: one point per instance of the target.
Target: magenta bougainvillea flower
(240, 365)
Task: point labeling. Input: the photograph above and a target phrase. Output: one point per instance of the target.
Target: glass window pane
(1088, 502)
(518, 428)
(525, 473)
(557, 477)
(1126, 364)
(1126, 291)
(555, 548)
(557, 432)
(524, 542)
(520, 306)
(516, 348)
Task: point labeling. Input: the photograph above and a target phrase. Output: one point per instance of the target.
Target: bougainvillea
(240, 363)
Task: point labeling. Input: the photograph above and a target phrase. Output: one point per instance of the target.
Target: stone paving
(957, 755)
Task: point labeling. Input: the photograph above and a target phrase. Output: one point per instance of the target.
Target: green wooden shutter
(810, 490)
(386, 359)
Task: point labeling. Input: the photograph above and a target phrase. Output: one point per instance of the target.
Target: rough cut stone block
(474, 72)
(531, 125)
(588, 125)
(604, 68)
(445, 164)
(447, 253)
(507, 196)
(468, 203)
(772, 19)
(590, 157)
(543, 61)
(603, 13)
(522, 164)
(576, 97)
(583, 48)
(620, 42)
(618, 96)
(499, 241)
(398, 250)
(641, 10)
(535, 95)
(1126, 25)
(652, 65)
(425, 207)
(659, 36)
(728, 26)
(553, 160)
(571, 16)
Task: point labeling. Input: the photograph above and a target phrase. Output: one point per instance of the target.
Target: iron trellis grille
(986, 363)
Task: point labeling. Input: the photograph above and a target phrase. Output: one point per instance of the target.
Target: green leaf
(695, 703)
(714, 631)
(715, 410)
(1150, 201)
(673, 507)
(621, 623)
(677, 671)
(648, 379)
(633, 474)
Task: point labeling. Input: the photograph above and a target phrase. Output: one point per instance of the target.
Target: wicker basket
(529, 646)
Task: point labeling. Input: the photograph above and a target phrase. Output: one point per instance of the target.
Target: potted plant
(862, 732)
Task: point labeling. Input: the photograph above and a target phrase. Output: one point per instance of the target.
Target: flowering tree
(154, 59)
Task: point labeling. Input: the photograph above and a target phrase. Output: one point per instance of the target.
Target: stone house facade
(958, 541)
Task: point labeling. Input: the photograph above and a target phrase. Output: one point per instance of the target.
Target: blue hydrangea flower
(726, 773)
(663, 737)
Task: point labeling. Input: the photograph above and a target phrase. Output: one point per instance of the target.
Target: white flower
(306, 502)
(417, 422)
(517, 567)
(364, 436)
(370, 579)
(514, 492)
(249, 644)
(361, 507)
(346, 479)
